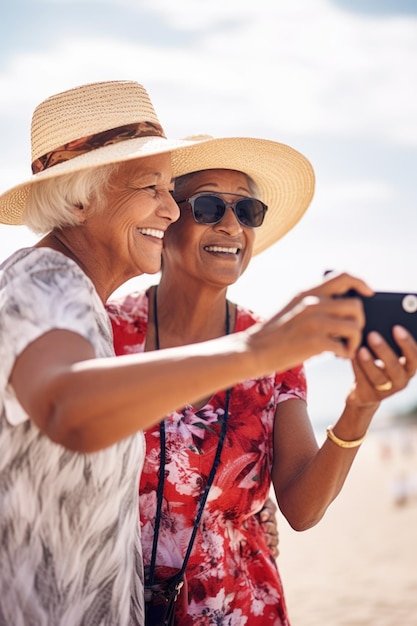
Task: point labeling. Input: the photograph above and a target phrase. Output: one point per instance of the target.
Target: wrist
(357, 400)
(360, 410)
(354, 422)
(344, 443)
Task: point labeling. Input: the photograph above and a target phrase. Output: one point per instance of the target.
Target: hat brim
(13, 202)
(285, 178)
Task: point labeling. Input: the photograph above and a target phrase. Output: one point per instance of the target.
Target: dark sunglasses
(207, 208)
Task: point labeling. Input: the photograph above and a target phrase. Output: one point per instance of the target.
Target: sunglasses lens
(250, 212)
(208, 209)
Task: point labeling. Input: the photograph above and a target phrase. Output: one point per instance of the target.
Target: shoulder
(245, 318)
(128, 307)
(41, 290)
(38, 270)
(36, 258)
(129, 319)
(292, 384)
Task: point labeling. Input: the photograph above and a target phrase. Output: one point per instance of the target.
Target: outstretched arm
(86, 403)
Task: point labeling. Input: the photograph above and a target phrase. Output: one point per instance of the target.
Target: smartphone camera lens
(409, 303)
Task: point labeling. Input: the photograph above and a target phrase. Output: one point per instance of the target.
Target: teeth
(221, 249)
(159, 234)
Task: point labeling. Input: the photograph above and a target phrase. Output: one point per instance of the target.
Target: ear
(79, 213)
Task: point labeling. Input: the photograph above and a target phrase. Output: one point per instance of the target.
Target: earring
(81, 216)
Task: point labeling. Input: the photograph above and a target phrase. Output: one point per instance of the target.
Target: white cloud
(291, 66)
(353, 194)
(305, 66)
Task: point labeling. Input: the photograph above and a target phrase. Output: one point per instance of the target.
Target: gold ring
(384, 386)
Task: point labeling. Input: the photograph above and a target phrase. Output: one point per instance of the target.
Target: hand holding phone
(384, 310)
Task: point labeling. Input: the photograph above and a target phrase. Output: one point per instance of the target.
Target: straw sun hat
(109, 122)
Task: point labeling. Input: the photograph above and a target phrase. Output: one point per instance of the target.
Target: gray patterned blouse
(69, 535)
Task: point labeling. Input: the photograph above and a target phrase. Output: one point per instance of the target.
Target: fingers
(337, 284)
(408, 347)
(313, 322)
(271, 530)
(272, 542)
(271, 536)
(337, 323)
(345, 329)
(268, 511)
(389, 366)
(269, 524)
(380, 377)
(346, 315)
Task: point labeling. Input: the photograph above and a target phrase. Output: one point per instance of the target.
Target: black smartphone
(386, 309)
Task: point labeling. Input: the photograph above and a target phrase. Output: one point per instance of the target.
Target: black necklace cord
(209, 482)
(156, 324)
(161, 478)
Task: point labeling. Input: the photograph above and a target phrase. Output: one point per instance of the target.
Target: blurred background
(335, 79)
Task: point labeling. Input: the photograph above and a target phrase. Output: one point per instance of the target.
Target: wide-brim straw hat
(284, 177)
(114, 121)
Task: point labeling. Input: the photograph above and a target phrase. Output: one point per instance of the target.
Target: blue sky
(335, 79)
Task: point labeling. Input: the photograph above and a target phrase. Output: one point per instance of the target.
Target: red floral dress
(232, 578)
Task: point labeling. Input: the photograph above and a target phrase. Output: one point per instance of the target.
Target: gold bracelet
(341, 442)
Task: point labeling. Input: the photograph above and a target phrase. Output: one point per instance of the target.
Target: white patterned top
(69, 535)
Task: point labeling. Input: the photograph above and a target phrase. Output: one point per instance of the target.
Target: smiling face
(128, 231)
(215, 254)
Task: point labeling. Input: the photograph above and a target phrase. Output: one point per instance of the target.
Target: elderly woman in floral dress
(228, 213)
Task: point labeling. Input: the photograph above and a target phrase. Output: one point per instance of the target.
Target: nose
(229, 222)
(169, 208)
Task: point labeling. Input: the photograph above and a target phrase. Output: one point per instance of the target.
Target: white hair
(53, 203)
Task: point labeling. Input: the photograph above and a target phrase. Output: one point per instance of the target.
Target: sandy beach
(358, 566)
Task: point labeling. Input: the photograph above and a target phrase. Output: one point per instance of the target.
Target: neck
(72, 246)
(184, 318)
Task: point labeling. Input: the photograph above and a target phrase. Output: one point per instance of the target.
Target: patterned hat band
(82, 145)
(112, 122)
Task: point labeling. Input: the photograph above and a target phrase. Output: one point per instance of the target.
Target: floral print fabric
(232, 580)
(69, 538)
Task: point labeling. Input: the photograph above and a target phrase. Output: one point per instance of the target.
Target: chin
(146, 264)
(153, 268)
